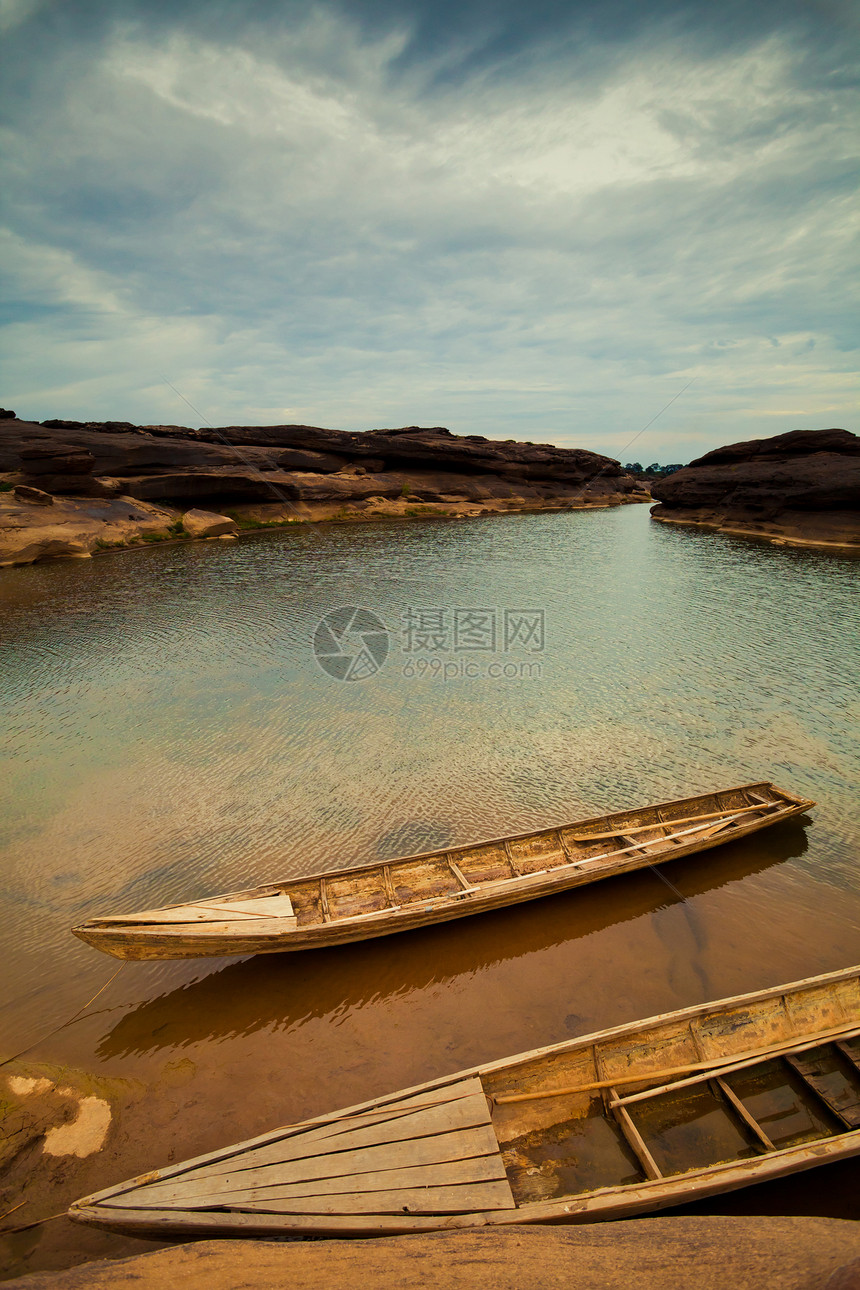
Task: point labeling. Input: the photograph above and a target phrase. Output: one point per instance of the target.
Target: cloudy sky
(536, 220)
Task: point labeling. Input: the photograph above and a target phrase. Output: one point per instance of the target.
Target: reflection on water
(169, 735)
(259, 993)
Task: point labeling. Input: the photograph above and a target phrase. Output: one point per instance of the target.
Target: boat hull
(125, 939)
(301, 1179)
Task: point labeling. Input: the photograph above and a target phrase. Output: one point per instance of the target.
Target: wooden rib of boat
(413, 891)
(627, 1121)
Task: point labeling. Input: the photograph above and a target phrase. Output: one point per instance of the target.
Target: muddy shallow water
(169, 733)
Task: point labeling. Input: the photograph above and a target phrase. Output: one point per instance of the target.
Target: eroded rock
(801, 487)
(320, 474)
(205, 524)
(660, 1253)
(35, 496)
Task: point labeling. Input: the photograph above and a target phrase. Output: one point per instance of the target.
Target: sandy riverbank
(42, 528)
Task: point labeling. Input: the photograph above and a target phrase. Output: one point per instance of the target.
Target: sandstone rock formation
(274, 463)
(802, 487)
(203, 524)
(79, 527)
(275, 475)
(665, 1253)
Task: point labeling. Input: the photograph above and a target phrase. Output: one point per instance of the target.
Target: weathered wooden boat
(413, 891)
(634, 1119)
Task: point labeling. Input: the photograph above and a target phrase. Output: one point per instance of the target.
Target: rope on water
(9, 1231)
(63, 1025)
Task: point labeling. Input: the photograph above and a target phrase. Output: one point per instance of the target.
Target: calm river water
(169, 733)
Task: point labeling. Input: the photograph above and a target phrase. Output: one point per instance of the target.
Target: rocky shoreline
(797, 489)
(660, 1253)
(74, 489)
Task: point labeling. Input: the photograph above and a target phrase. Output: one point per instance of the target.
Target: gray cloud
(542, 230)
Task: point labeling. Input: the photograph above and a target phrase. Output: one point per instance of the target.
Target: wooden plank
(390, 893)
(690, 819)
(165, 1224)
(234, 1190)
(394, 1153)
(238, 928)
(326, 912)
(309, 1134)
(712, 1064)
(853, 1058)
(267, 907)
(641, 847)
(515, 869)
(844, 1104)
(191, 913)
(666, 825)
(441, 1148)
(568, 854)
(371, 913)
(784, 799)
(732, 1064)
(737, 1105)
(460, 876)
(634, 1138)
(467, 1199)
(472, 1169)
(405, 1125)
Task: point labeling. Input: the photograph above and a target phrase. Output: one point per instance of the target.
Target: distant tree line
(654, 471)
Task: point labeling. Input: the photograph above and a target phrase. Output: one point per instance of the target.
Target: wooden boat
(634, 1119)
(398, 895)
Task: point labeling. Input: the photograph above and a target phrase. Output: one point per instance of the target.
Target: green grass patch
(6, 487)
(177, 529)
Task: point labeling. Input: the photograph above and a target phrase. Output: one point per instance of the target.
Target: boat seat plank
(442, 1148)
(851, 1052)
(324, 905)
(839, 1091)
(459, 875)
(644, 846)
(738, 1107)
(515, 869)
(634, 1138)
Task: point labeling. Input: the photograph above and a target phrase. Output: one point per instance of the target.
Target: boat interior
(714, 1090)
(601, 844)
